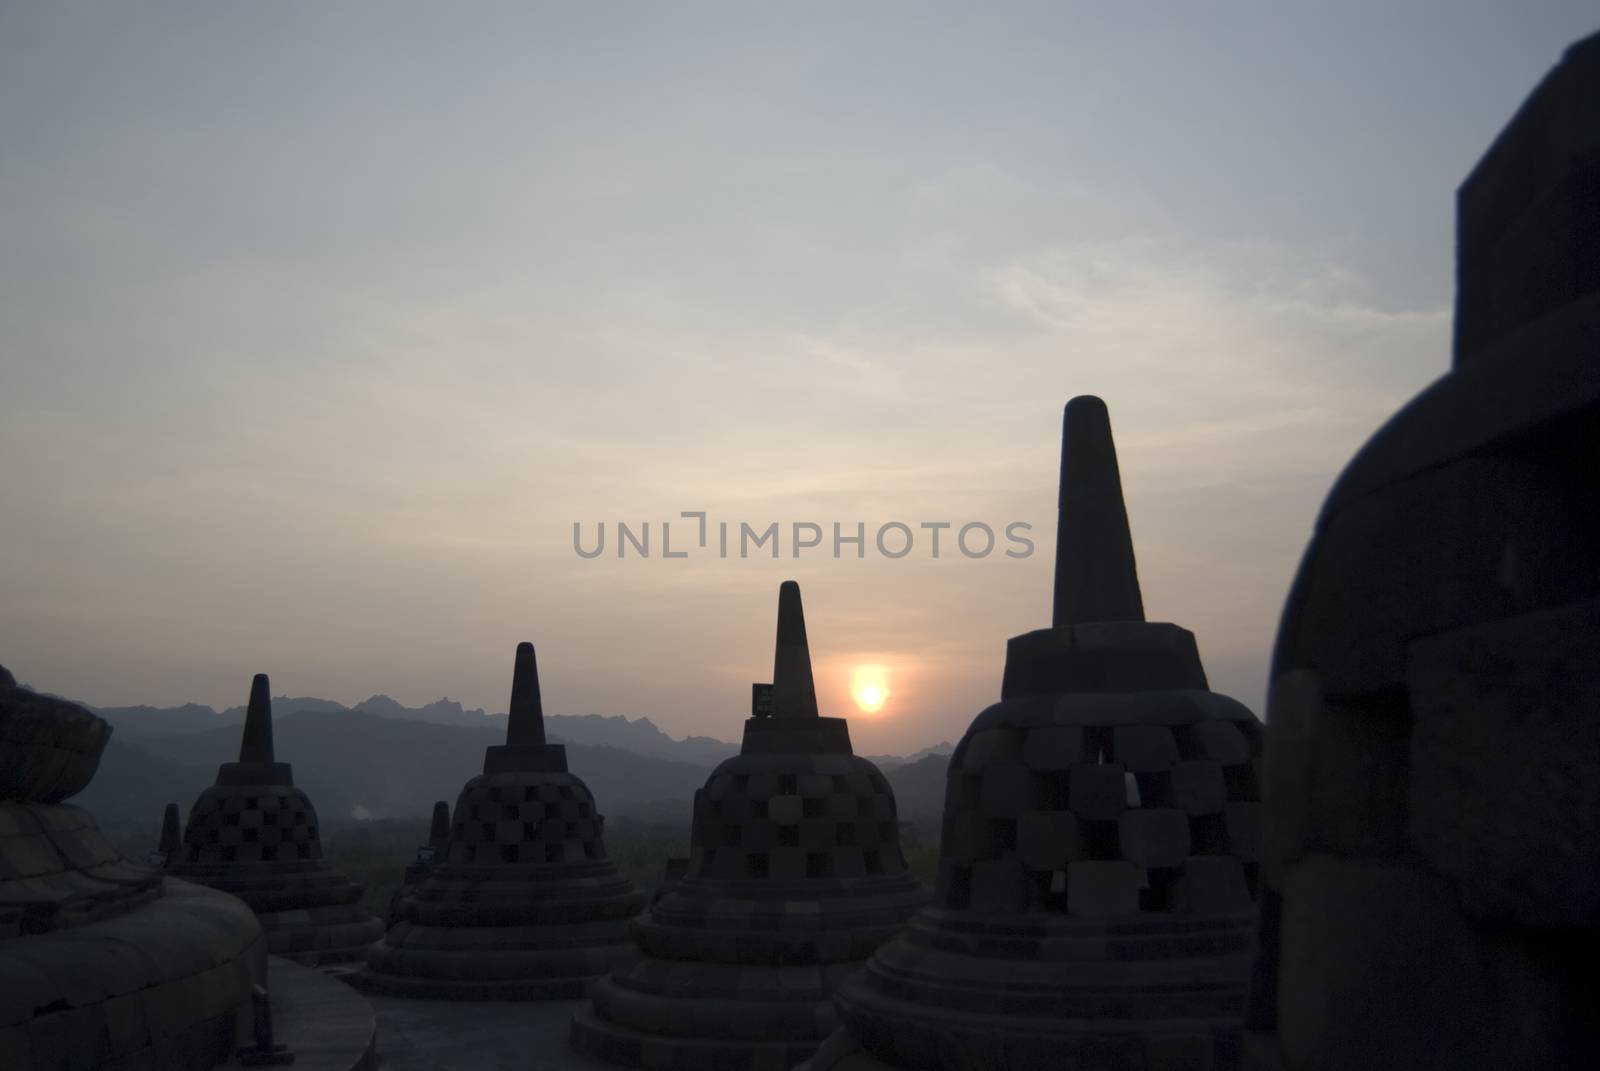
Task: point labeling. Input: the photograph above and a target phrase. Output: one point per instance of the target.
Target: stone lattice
(794, 876)
(103, 963)
(255, 835)
(1101, 848)
(520, 900)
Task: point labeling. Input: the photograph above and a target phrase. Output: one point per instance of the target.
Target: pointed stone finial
(439, 832)
(525, 721)
(170, 836)
(257, 743)
(1096, 578)
(794, 695)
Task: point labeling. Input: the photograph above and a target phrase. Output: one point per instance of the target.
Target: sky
(322, 325)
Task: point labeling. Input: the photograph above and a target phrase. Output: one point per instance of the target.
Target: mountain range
(380, 758)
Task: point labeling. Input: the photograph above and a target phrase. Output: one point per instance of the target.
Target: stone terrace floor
(445, 1035)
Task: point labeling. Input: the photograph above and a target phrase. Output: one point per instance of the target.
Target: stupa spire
(171, 835)
(1096, 577)
(525, 720)
(794, 694)
(439, 830)
(256, 746)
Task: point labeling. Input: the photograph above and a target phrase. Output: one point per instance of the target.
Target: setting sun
(870, 687)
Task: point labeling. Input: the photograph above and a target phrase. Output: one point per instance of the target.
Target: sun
(870, 687)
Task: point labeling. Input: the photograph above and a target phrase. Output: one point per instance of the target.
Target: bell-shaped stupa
(255, 835)
(523, 904)
(1431, 886)
(795, 875)
(103, 963)
(1101, 841)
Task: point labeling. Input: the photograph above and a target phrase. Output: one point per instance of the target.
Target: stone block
(1212, 885)
(1008, 790)
(1054, 747)
(968, 837)
(785, 809)
(1000, 887)
(1097, 792)
(1180, 1052)
(1144, 748)
(818, 834)
(1219, 740)
(992, 747)
(1154, 836)
(815, 786)
(1198, 787)
(1241, 823)
(786, 864)
(1422, 556)
(1505, 765)
(849, 862)
(1379, 968)
(1046, 840)
(1102, 888)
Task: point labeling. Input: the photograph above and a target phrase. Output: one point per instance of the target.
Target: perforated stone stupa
(103, 964)
(1101, 841)
(1432, 874)
(795, 875)
(525, 904)
(255, 835)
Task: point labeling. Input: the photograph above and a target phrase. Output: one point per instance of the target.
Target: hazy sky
(320, 326)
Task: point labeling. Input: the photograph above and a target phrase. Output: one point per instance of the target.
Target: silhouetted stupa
(255, 835)
(795, 875)
(103, 964)
(1432, 876)
(524, 904)
(429, 856)
(1101, 841)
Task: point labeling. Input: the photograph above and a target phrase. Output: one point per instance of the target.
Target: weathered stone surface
(102, 964)
(1505, 785)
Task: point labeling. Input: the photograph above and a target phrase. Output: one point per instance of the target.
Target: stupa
(103, 963)
(795, 875)
(428, 856)
(1432, 875)
(1101, 841)
(524, 904)
(255, 835)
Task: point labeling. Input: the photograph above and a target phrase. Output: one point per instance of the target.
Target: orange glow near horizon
(869, 685)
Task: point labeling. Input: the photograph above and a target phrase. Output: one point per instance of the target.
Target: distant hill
(381, 759)
(943, 747)
(357, 765)
(639, 735)
(919, 788)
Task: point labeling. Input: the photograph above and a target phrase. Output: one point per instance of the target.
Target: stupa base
(475, 974)
(321, 935)
(958, 992)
